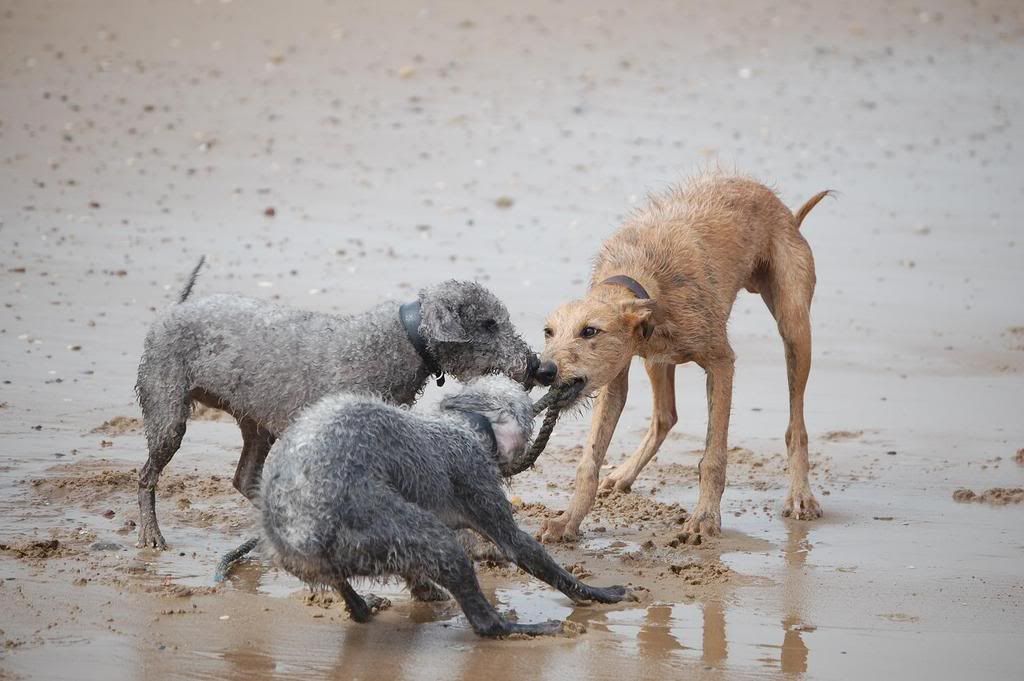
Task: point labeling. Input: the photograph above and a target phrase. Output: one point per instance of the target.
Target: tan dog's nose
(546, 373)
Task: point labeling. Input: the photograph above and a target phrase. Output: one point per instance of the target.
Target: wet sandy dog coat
(262, 363)
(360, 488)
(662, 288)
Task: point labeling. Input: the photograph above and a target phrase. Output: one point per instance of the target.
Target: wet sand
(331, 155)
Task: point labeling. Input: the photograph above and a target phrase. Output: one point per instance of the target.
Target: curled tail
(811, 203)
(185, 292)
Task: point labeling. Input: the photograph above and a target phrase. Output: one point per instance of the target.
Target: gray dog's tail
(185, 292)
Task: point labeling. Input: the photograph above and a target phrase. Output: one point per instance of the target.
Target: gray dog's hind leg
(256, 444)
(164, 413)
(160, 454)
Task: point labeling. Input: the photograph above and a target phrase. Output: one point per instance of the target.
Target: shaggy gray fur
(359, 488)
(263, 363)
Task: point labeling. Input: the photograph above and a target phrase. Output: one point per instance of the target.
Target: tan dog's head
(593, 339)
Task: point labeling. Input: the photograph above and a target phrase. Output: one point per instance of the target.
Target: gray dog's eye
(489, 325)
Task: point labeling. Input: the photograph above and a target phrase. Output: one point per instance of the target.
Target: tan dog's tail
(811, 203)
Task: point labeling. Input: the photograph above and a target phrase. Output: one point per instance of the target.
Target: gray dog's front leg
(528, 554)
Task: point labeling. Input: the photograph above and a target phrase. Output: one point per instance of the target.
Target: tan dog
(675, 269)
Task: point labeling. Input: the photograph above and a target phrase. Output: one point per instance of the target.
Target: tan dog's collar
(637, 290)
(629, 282)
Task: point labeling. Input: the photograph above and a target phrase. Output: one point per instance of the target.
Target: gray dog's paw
(516, 630)
(611, 594)
(376, 603)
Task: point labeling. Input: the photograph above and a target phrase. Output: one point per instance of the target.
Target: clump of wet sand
(105, 489)
(652, 563)
(637, 509)
(119, 425)
(842, 435)
(36, 550)
(170, 589)
(533, 509)
(103, 482)
(87, 482)
(697, 574)
(328, 599)
(996, 496)
(621, 508)
(201, 412)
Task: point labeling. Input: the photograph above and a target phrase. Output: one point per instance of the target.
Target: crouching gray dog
(359, 488)
(263, 363)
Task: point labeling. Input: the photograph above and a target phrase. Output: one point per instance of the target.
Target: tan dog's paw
(801, 505)
(558, 529)
(611, 484)
(701, 525)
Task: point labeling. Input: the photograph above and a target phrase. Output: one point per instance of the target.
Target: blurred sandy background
(333, 154)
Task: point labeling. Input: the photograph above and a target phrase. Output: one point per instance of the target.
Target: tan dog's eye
(548, 332)
(589, 332)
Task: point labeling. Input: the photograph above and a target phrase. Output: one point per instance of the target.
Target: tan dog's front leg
(663, 386)
(610, 400)
(706, 518)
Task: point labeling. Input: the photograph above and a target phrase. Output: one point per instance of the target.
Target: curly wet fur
(360, 488)
(263, 363)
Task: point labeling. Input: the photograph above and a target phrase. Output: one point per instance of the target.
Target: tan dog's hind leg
(706, 518)
(800, 503)
(610, 400)
(663, 385)
(788, 297)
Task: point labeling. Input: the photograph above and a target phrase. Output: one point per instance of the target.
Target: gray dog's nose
(546, 373)
(531, 368)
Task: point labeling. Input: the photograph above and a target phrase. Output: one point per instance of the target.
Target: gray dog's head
(506, 405)
(468, 330)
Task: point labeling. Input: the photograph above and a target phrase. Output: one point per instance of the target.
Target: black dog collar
(630, 283)
(409, 313)
(482, 425)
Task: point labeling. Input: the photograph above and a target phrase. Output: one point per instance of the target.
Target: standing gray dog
(359, 488)
(262, 363)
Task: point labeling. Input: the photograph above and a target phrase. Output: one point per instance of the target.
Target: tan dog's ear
(639, 314)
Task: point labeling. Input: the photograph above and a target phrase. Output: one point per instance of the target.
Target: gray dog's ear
(442, 321)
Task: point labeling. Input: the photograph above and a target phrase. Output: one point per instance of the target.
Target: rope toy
(556, 400)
